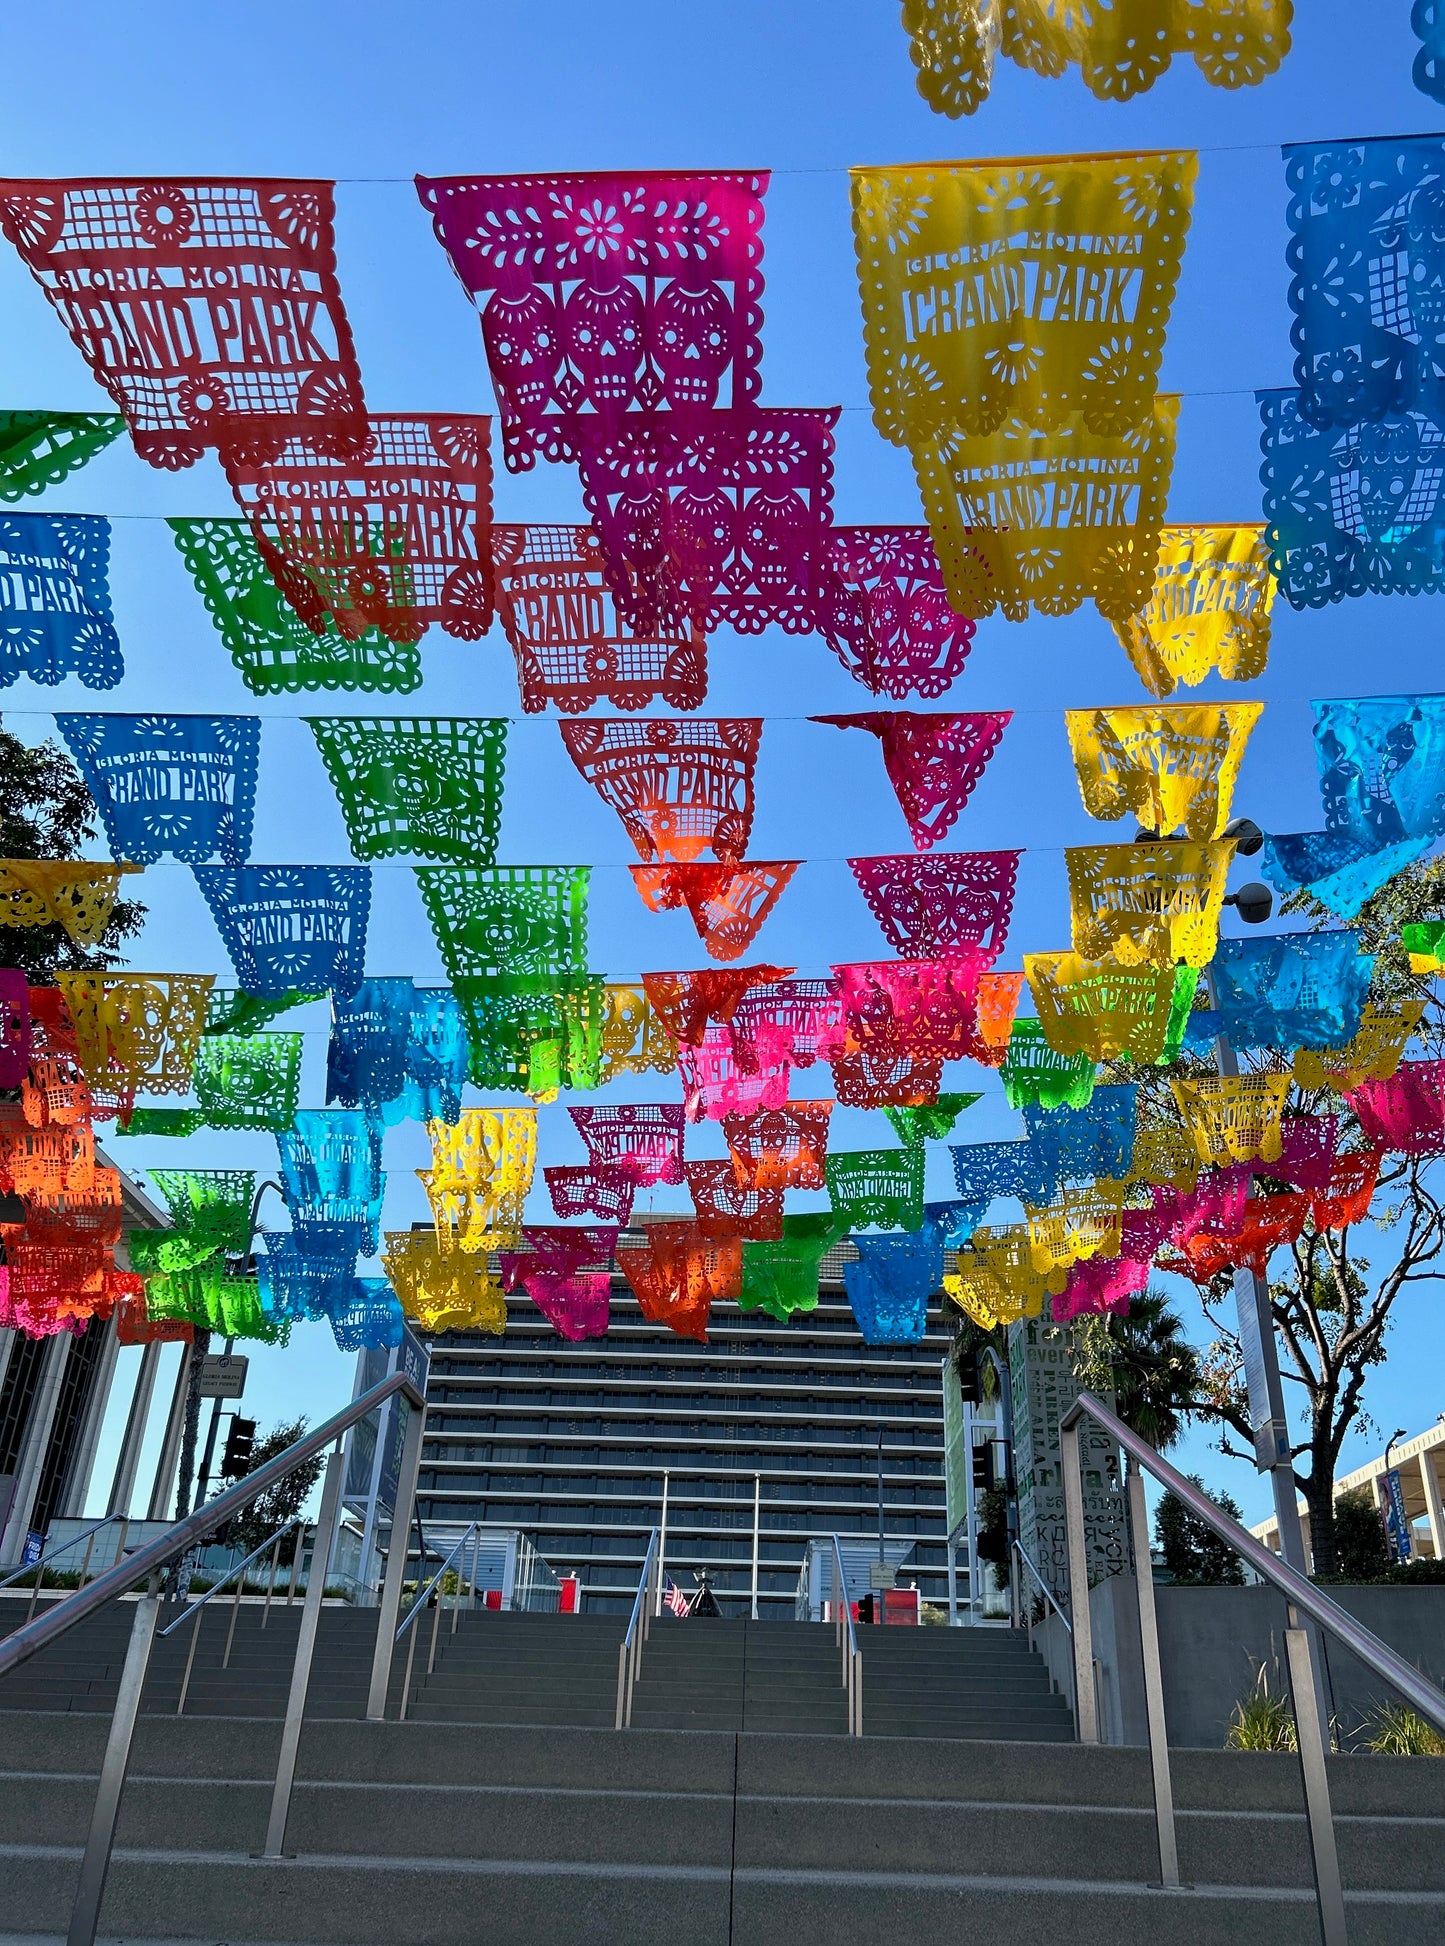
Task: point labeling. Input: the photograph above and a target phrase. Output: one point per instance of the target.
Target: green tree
(1361, 1552)
(1149, 1364)
(282, 1501)
(46, 812)
(1193, 1552)
(1332, 1301)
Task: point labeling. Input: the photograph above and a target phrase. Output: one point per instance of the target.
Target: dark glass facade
(570, 1443)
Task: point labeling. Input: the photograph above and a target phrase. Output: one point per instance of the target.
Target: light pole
(1267, 1414)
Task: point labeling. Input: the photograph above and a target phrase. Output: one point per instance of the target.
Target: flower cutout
(163, 216)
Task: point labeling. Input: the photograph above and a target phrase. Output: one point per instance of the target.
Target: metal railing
(273, 1542)
(629, 1653)
(1302, 1597)
(846, 1637)
(48, 1556)
(145, 1567)
(1016, 1595)
(435, 1587)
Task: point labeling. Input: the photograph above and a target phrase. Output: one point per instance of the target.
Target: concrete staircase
(779, 1677)
(427, 1834)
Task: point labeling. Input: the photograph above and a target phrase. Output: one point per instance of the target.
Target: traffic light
(983, 1469)
(968, 1378)
(236, 1460)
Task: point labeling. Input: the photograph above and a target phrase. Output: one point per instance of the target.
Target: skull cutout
(775, 541)
(1425, 255)
(701, 524)
(524, 350)
(1384, 489)
(604, 342)
(692, 348)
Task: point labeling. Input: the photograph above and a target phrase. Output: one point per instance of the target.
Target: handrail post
(275, 1846)
(190, 1663)
(1086, 1714)
(1309, 1740)
(235, 1611)
(271, 1583)
(395, 1564)
(95, 1863)
(1153, 1681)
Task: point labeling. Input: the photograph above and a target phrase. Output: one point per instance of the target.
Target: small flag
(673, 1597)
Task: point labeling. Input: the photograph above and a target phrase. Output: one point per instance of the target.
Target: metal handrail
(846, 1637)
(1044, 1587)
(44, 1558)
(629, 1652)
(145, 1567)
(1418, 1691)
(1310, 1719)
(423, 1596)
(273, 1541)
(183, 1534)
(240, 1567)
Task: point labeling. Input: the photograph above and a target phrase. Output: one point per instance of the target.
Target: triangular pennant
(393, 535)
(40, 449)
(55, 613)
(679, 788)
(950, 902)
(291, 927)
(686, 1002)
(508, 922)
(273, 650)
(177, 786)
(1171, 764)
(427, 786)
(571, 647)
(728, 903)
(933, 761)
(885, 612)
(255, 343)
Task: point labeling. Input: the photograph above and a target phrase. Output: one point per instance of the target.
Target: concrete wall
(1212, 1642)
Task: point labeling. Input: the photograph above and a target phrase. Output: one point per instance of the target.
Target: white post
(127, 1465)
(757, 1506)
(661, 1542)
(952, 1583)
(1434, 1510)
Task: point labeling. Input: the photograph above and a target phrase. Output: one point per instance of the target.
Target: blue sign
(34, 1548)
(1397, 1524)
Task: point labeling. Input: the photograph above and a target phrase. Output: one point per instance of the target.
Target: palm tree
(1152, 1368)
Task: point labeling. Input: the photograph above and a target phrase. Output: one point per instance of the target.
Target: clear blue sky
(370, 95)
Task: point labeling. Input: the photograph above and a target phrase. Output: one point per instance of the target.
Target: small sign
(1397, 1521)
(223, 1378)
(34, 1548)
(880, 1575)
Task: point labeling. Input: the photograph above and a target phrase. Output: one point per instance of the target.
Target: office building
(571, 1442)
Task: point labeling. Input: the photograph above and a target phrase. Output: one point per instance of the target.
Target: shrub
(1396, 1731)
(1262, 1720)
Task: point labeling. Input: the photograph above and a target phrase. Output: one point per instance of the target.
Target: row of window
(538, 1517)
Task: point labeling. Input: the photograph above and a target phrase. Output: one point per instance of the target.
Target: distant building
(1420, 1463)
(570, 1442)
(53, 1398)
